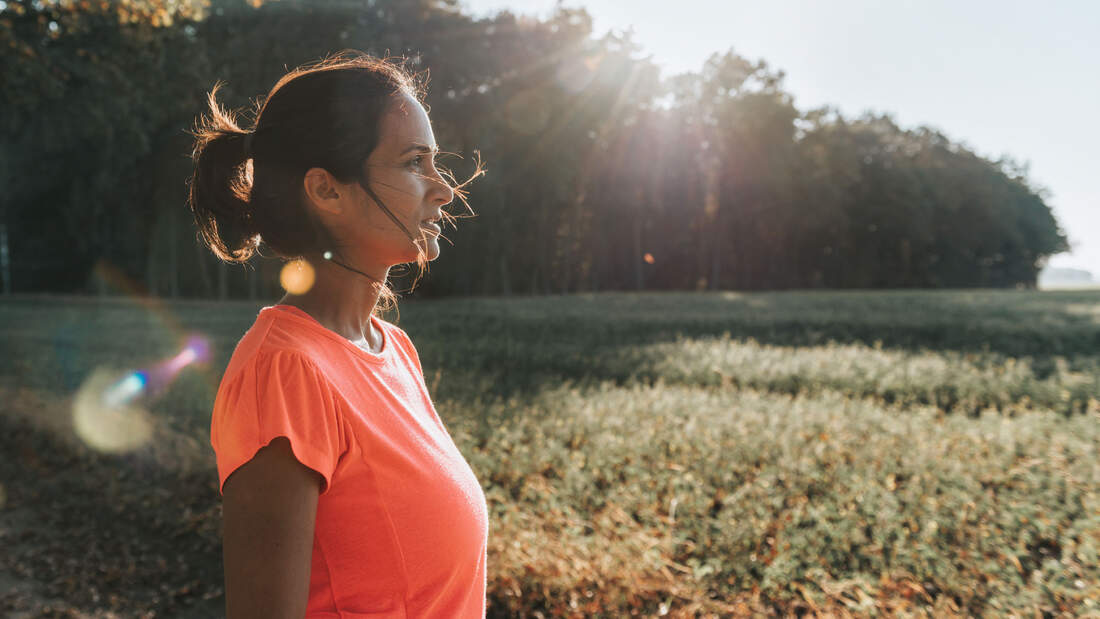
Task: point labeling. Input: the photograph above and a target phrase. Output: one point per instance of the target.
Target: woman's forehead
(405, 123)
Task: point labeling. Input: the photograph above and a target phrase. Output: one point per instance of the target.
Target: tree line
(602, 173)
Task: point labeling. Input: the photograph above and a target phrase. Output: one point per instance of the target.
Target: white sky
(1004, 77)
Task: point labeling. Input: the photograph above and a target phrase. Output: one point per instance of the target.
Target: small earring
(327, 255)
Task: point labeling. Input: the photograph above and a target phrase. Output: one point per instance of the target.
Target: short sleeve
(278, 393)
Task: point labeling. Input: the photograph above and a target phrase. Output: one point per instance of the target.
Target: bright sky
(1004, 77)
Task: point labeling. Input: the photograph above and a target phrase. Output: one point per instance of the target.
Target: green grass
(736, 491)
(911, 453)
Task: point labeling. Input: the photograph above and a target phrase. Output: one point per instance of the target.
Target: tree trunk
(715, 262)
(204, 272)
(253, 283)
(223, 280)
(151, 274)
(505, 278)
(103, 266)
(636, 257)
(173, 257)
(5, 264)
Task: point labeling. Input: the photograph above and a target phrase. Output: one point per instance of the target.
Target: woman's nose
(446, 193)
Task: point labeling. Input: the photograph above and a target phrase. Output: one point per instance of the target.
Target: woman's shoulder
(270, 339)
(400, 336)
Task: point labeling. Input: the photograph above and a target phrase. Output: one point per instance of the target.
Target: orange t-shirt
(402, 522)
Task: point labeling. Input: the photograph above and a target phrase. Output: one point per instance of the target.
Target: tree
(601, 176)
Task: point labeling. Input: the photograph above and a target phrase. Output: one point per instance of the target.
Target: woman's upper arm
(269, 506)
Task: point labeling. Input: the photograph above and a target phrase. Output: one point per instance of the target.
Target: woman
(343, 493)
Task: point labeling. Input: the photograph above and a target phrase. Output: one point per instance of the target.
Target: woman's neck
(341, 301)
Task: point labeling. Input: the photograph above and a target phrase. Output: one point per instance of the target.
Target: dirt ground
(98, 535)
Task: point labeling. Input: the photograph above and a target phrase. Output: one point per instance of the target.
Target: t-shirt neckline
(303, 317)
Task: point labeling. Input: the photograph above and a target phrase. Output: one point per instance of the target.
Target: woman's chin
(431, 250)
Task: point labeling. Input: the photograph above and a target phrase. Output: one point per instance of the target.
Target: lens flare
(297, 276)
(107, 414)
(103, 416)
(201, 348)
(125, 390)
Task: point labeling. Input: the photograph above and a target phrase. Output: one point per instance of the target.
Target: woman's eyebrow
(420, 147)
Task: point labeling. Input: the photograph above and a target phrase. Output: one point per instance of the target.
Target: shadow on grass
(106, 533)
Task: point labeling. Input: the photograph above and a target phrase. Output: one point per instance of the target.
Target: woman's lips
(431, 226)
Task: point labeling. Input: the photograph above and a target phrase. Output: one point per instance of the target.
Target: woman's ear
(323, 190)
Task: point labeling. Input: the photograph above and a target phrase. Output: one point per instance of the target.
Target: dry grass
(845, 454)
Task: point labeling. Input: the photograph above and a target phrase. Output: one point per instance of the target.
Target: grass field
(864, 453)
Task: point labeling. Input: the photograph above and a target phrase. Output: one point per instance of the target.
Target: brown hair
(246, 186)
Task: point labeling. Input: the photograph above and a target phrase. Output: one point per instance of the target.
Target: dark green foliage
(602, 176)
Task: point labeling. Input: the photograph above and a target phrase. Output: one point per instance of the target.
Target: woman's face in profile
(401, 171)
